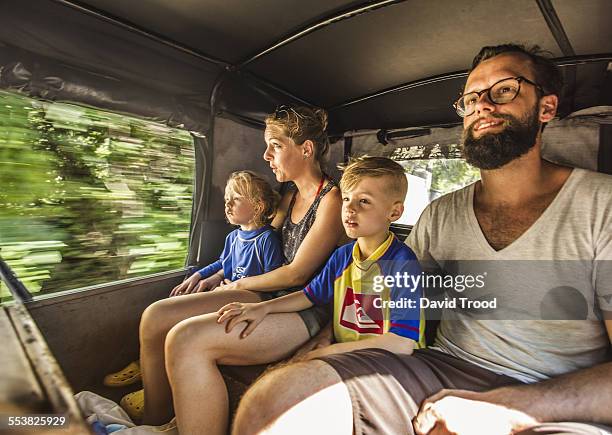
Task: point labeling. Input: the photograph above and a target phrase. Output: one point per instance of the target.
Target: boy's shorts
(315, 317)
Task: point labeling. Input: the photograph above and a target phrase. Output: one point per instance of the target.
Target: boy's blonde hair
(256, 189)
(358, 168)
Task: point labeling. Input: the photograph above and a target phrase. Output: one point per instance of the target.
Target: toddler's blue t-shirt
(248, 253)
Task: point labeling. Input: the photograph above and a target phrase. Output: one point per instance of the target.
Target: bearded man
(496, 375)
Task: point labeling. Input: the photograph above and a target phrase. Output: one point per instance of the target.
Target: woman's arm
(317, 246)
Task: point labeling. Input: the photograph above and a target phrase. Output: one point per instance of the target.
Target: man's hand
(195, 284)
(237, 312)
(466, 412)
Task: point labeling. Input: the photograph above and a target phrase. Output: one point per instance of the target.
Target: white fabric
(98, 408)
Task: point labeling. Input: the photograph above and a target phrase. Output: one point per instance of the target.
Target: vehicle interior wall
(54, 53)
(93, 332)
(18, 385)
(32, 381)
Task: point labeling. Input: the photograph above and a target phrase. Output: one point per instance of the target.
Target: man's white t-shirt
(566, 253)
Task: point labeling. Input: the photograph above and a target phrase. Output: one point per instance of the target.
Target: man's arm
(583, 395)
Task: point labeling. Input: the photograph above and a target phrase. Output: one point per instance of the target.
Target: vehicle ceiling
(392, 64)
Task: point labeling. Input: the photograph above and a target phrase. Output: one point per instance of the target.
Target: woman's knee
(152, 325)
(191, 338)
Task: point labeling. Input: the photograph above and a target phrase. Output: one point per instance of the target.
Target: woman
(181, 346)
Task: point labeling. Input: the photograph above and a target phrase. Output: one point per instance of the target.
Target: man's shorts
(386, 389)
(315, 317)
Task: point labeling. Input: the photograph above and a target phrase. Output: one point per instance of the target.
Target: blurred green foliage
(88, 196)
(447, 175)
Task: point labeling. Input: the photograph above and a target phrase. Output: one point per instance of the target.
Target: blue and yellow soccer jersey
(366, 301)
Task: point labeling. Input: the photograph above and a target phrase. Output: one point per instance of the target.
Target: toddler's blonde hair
(256, 189)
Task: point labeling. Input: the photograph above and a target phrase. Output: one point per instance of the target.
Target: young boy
(368, 280)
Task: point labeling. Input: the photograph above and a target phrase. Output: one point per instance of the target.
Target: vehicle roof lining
(105, 16)
(355, 57)
(232, 30)
(318, 24)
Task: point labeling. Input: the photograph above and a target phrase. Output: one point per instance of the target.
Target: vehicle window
(431, 173)
(90, 196)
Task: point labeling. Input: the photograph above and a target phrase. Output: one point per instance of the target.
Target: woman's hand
(236, 312)
(195, 284)
(226, 284)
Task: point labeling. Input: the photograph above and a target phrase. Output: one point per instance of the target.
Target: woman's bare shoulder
(332, 198)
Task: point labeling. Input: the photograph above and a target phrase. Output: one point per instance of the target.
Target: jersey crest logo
(239, 272)
(359, 313)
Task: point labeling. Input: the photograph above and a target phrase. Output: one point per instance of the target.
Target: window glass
(89, 196)
(432, 172)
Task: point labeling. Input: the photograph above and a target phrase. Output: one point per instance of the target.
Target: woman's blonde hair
(256, 189)
(302, 123)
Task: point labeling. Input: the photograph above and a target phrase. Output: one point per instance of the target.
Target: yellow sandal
(133, 404)
(127, 376)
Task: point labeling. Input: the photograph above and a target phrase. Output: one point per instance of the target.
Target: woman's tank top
(294, 234)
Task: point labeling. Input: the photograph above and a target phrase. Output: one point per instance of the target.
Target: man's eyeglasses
(284, 111)
(501, 92)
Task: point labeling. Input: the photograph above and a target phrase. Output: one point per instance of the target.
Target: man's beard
(494, 150)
